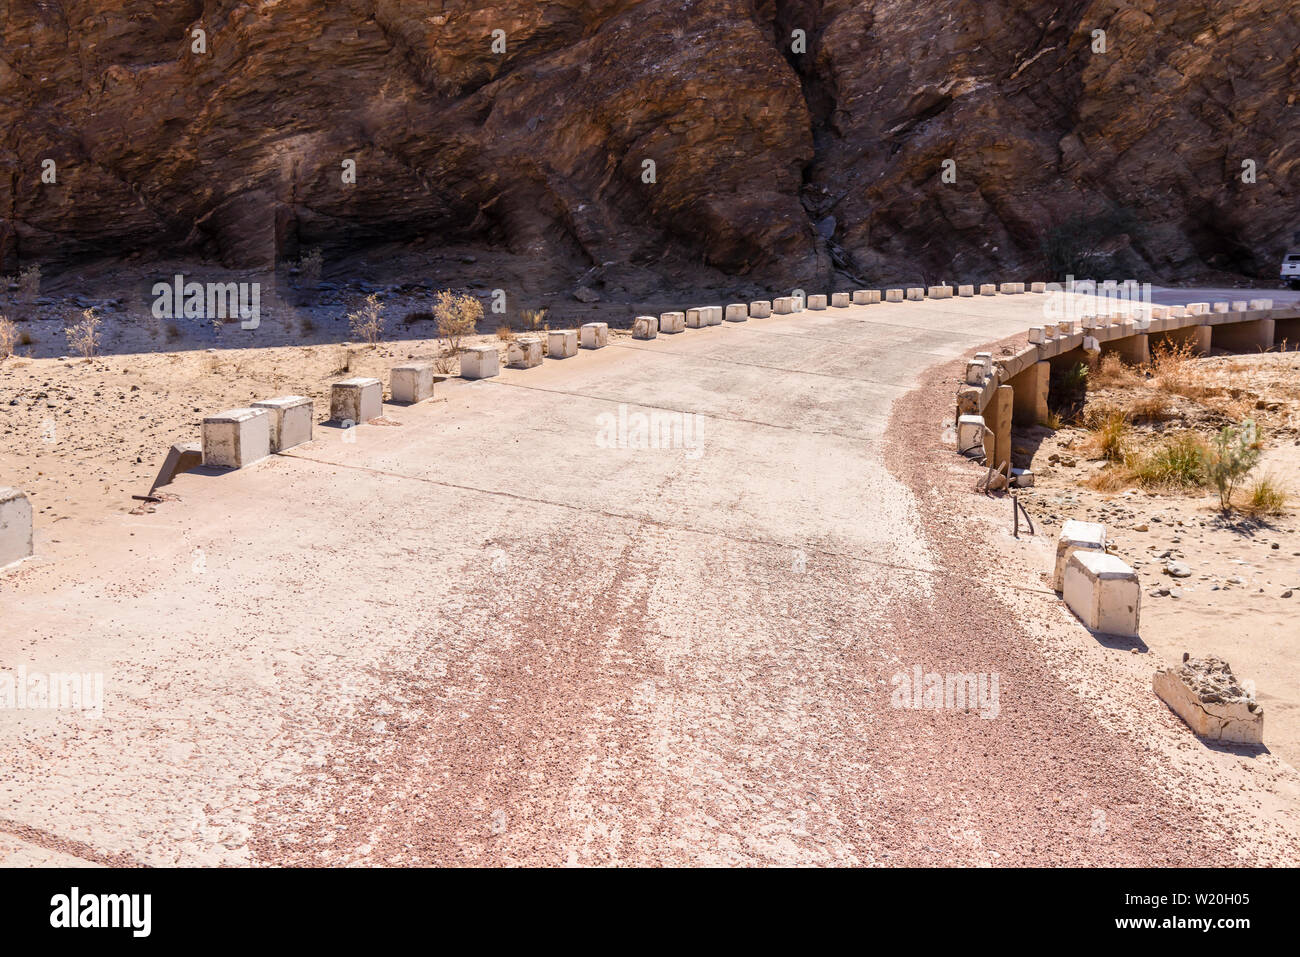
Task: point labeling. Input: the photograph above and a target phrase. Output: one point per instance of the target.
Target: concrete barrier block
(783, 305)
(1040, 287)
(988, 289)
(1022, 478)
(760, 309)
(15, 526)
(594, 335)
(672, 323)
(1076, 535)
(412, 382)
(737, 312)
(987, 359)
(1104, 592)
(893, 295)
(1197, 308)
(865, 297)
(354, 400)
(970, 433)
(1037, 335)
(915, 294)
(975, 372)
(816, 302)
(524, 352)
(1007, 288)
(645, 327)
(291, 418)
(840, 300)
(237, 438)
(1206, 695)
(965, 291)
(1240, 305)
(480, 362)
(1220, 307)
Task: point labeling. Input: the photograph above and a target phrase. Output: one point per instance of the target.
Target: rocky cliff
(789, 138)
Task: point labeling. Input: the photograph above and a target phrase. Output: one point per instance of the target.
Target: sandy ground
(81, 436)
(1243, 596)
(487, 636)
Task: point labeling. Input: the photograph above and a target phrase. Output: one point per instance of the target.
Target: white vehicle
(1291, 268)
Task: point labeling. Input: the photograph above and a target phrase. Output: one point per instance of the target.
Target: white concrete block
(1207, 696)
(737, 312)
(672, 322)
(1040, 287)
(783, 305)
(1022, 478)
(816, 302)
(1159, 312)
(965, 291)
(480, 362)
(760, 309)
(1178, 312)
(291, 420)
(1037, 335)
(970, 433)
(863, 297)
(15, 526)
(975, 372)
(893, 295)
(915, 294)
(356, 400)
(237, 438)
(1074, 536)
(840, 300)
(594, 335)
(1104, 592)
(1221, 307)
(988, 289)
(939, 292)
(1007, 288)
(715, 315)
(987, 359)
(524, 352)
(411, 383)
(1197, 308)
(1240, 305)
(645, 327)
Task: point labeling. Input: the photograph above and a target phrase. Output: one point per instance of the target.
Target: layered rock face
(689, 131)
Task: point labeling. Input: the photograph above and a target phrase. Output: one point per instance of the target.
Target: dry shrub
(534, 320)
(83, 338)
(444, 365)
(1173, 369)
(29, 284)
(1112, 371)
(1109, 432)
(367, 323)
(8, 337)
(457, 315)
(1177, 463)
(1265, 496)
(504, 332)
(1148, 407)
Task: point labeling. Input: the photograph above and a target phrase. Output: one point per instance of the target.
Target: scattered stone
(1177, 570)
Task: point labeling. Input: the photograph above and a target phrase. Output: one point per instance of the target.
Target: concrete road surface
(503, 632)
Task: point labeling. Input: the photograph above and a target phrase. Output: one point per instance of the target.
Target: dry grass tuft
(1265, 497)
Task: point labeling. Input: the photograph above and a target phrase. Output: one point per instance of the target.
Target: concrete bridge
(505, 632)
